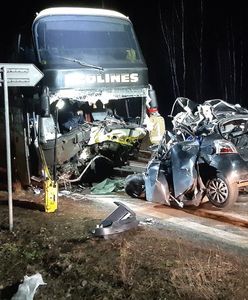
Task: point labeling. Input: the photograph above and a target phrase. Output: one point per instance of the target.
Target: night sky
(196, 49)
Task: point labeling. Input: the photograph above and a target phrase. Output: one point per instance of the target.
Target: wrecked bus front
(94, 74)
(91, 51)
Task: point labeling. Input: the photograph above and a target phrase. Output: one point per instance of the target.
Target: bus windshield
(96, 40)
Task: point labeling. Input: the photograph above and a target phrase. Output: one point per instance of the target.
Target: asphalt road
(227, 229)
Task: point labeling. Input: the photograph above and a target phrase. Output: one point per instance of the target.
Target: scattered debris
(27, 289)
(149, 221)
(36, 190)
(108, 186)
(75, 194)
(122, 219)
(64, 193)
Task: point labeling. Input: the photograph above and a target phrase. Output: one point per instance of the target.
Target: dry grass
(146, 263)
(201, 278)
(125, 268)
(175, 267)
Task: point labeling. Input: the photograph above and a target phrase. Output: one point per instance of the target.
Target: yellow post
(50, 188)
(51, 195)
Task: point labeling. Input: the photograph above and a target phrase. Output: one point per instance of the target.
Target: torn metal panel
(120, 220)
(212, 115)
(183, 160)
(104, 95)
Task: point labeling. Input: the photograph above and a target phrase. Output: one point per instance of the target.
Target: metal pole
(7, 129)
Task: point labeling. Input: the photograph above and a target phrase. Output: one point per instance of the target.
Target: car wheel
(221, 192)
(135, 185)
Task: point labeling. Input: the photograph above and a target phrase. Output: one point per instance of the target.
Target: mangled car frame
(88, 112)
(205, 153)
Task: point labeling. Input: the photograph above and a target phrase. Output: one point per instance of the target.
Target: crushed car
(203, 154)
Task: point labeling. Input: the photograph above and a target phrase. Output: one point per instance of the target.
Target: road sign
(22, 74)
(15, 75)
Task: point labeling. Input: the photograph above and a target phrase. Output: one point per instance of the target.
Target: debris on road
(108, 186)
(122, 219)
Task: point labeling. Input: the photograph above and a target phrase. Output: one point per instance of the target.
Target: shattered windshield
(96, 40)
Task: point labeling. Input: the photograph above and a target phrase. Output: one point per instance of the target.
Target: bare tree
(183, 48)
(241, 70)
(169, 39)
(173, 31)
(200, 50)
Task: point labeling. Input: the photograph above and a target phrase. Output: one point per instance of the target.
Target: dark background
(193, 48)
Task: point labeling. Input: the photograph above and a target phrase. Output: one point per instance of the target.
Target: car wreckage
(204, 153)
(88, 113)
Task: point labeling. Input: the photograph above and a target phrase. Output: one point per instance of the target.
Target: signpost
(21, 74)
(15, 75)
